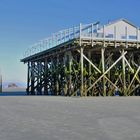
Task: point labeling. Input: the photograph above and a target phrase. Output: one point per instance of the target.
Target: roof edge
(122, 19)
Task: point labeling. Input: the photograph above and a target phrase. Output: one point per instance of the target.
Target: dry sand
(69, 118)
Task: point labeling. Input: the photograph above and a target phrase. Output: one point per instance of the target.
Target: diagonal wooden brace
(107, 71)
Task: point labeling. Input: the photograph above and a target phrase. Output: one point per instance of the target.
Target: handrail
(82, 31)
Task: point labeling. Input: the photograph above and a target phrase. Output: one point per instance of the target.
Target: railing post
(92, 34)
(126, 34)
(64, 35)
(80, 32)
(104, 32)
(53, 40)
(46, 44)
(137, 34)
(115, 36)
(60, 37)
(73, 32)
(69, 34)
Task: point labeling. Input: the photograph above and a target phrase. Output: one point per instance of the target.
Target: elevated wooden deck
(80, 62)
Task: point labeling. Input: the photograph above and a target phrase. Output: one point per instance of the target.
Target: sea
(20, 93)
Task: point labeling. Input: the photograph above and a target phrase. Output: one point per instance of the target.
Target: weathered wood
(123, 73)
(103, 70)
(107, 70)
(128, 92)
(81, 63)
(28, 79)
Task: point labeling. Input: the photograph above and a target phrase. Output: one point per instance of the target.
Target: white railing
(61, 37)
(91, 31)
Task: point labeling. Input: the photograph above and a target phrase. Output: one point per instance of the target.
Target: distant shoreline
(14, 90)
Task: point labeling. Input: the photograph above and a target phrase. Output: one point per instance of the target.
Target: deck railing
(89, 31)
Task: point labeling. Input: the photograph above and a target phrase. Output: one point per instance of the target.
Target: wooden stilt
(32, 78)
(103, 70)
(46, 77)
(123, 73)
(81, 62)
(28, 79)
(89, 69)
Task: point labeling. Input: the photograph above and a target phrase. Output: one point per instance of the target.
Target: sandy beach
(69, 118)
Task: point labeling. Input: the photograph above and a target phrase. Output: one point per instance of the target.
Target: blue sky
(23, 22)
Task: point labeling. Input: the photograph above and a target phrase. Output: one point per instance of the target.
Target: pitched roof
(122, 19)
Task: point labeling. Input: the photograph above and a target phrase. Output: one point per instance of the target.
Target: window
(109, 36)
(123, 37)
(132, 37)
